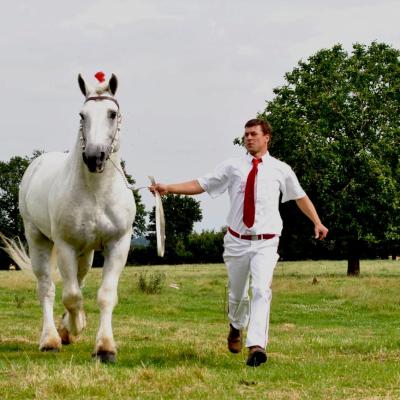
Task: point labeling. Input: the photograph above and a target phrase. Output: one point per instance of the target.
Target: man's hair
(265, 126)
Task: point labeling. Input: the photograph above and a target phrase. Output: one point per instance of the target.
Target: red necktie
(249, 207)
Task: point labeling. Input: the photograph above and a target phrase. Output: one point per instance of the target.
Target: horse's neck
(92, 182)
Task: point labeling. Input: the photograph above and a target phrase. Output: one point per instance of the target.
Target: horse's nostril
(84, 157)
(102, 156)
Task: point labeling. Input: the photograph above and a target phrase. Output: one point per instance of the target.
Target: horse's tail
(16, 250)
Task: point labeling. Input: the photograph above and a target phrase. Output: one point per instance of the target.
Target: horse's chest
(98, 223)
(91, 226)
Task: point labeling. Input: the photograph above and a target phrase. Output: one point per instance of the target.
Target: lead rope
(160, 218)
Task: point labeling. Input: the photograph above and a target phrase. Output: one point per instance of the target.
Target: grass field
(338, 338)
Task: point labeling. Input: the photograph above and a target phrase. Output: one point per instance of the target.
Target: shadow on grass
(14, 348)
(156, 356)
(160, 357)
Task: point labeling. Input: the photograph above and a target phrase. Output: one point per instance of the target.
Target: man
(255, 183)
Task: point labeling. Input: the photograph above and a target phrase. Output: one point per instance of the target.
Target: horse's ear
(82, 85)
(113, 84)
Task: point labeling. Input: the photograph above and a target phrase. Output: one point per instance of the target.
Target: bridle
(82, 138)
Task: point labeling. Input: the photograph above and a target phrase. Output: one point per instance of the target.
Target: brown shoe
(257, 356)
(234, 340)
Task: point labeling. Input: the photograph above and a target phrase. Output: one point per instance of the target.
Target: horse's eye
(113, 114)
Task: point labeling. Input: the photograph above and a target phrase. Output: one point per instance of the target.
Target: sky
(190, 73)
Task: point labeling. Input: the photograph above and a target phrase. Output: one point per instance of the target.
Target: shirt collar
(264, 158)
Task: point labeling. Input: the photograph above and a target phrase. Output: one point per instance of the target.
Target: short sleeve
(291, 189)
(216, 182)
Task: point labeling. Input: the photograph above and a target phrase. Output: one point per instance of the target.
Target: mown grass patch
(331, 338)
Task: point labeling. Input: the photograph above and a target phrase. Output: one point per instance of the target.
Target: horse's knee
(46, 290)
(72, 299)
(107, 298)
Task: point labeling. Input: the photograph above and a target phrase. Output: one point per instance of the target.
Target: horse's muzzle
(94, 162)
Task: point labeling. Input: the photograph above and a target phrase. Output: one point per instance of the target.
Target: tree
(207, 246)
(11, 173)
(181, 212)
(336, 122)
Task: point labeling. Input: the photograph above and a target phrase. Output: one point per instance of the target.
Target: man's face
(255, 141)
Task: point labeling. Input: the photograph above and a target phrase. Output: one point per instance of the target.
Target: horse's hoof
(48, 349)
(50, 344)
(66, 337)
(106, 357)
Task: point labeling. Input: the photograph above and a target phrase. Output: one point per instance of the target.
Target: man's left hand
(320, 231)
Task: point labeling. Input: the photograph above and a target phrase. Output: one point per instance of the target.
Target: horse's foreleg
(115, 255)
(40, 249)
(73, 320)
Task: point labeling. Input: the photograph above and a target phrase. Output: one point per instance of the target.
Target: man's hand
(320, 231)
(160, 188)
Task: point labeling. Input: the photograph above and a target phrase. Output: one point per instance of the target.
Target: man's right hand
(160, 188)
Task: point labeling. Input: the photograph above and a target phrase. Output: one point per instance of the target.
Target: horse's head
(100, 120)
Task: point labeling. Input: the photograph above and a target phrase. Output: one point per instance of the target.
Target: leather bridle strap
(97, 98)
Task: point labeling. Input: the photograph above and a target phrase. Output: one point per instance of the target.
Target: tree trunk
(353, 260)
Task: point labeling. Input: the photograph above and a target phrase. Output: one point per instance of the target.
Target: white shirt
(273, 178)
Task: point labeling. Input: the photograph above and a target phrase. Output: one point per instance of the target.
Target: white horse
(76, 203)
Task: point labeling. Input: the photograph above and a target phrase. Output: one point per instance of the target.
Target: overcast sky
(191, 73)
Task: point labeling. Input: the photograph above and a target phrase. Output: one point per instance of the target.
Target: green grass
(338, 338)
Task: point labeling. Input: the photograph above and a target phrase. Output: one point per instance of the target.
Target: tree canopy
(336, 122)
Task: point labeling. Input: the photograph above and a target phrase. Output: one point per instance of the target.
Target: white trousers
(250, 264)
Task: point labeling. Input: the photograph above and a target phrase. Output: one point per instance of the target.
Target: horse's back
(35, 187)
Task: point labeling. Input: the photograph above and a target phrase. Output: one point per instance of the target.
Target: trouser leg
(262, 265)
(238, 268)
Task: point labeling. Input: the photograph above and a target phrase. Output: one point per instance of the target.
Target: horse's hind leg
(74, 319)
(84, 264)
(40, 249)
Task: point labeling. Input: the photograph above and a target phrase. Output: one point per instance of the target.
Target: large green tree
(336, 122)
(181, 212)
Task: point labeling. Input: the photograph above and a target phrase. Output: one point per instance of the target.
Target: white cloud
(191, 72)
(107, 15)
